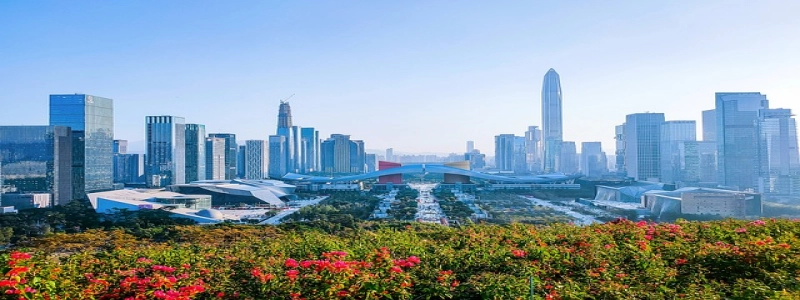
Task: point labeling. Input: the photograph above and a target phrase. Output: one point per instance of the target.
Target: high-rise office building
(680, 153)
(568, 160)
(372, 163)
(390, 154)
(277, 156)
(504, 152)
(128, 168)
(737, 137)
(552, 132)
(195, 152)
(230, 154)
(215, 158)
(241, 161)
(341, 155)
(91, 119)
(256, 159)
(619, 151)
(310, 143)
(593, 159)
(780, 164)
(470, 146)
(533, 158)
(287, 130)
(710, 125)
(476, 159)
(37, 159)
(165, 159)
(642, 135)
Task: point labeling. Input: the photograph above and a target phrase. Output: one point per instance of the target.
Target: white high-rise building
(256, 159)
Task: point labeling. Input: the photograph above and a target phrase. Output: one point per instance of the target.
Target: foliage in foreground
(619, 260)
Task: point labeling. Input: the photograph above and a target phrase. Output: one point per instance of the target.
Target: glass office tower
(231, 148)
(642, 134)
(165, 160)
(91, 119)
(552, 131)
(195, 152)
(737, 137)
(37, 159)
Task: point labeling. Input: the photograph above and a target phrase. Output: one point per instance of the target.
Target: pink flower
(291, 263)
(648, 237)
(413, 259)
(741, 230)
(292, 274)
(757, 223)
(396, 269)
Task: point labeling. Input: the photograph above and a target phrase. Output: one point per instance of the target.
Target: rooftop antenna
(287, 98)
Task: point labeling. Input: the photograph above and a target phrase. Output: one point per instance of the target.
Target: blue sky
(418, 76)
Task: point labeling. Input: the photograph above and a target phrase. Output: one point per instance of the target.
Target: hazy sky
(418, 76)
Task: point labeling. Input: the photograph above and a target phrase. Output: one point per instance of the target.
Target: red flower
(19, 255)
(518, 253)
(291, 263)
(292, 274)
(396, 269)
(342, 294)
(680, 261)
(413, 259)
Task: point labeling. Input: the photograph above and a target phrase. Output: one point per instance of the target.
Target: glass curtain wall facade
(166, 151)
(552, 132)
(642, 134)
(215, 158)
(91, 119)
(504, 152)
(230, 153)
(37, 159)
(533, 158)
(737, 116)
(277, 156)
(256, 159)
(593, 159)
(310, 143)
(780, 165)
(568, 160)
(680, 159)
(195, 152)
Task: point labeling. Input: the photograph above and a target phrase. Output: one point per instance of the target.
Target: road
(428, 210)
(276, 219)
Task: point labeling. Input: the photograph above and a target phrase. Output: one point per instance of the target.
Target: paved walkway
(276, 219)
(580, 219)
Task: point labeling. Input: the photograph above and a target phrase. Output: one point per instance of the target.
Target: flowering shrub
(618, 260)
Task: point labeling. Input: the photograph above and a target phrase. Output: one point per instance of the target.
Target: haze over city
(414, 76)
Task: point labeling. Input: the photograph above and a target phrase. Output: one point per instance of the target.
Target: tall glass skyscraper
(738, 138)
(230, 153)
(568, 160)
(195, 152)
(215, 158)
(91, 119)
(37, 159)
(780, 164)
(277, 156)
(288, 131)
(165, 159)
(642, 134)
(680, 156)
(310, 142)
(533, 158)
(552, 132)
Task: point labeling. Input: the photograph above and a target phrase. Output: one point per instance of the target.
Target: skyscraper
(241, 161)
(470, 146)
(642, 134)
(533, 159)
(230, 153)
(780, 164)
(619, 151)
(195, 152)
(552, 132)
(91, 119)
(341, 155)
(165, 159)
(277, 156)
(37, 159)
(310, 143)
(289, 132)
(215, 158)
(128, 168)
(504, 152)
(738, 138)
(710, 125)
(680, 156)
(568, 160)
(256, 159)
(593, 159)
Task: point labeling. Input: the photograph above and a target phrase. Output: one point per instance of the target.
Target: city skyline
(614, 59)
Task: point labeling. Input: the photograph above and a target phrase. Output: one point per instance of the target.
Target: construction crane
(287, 98)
